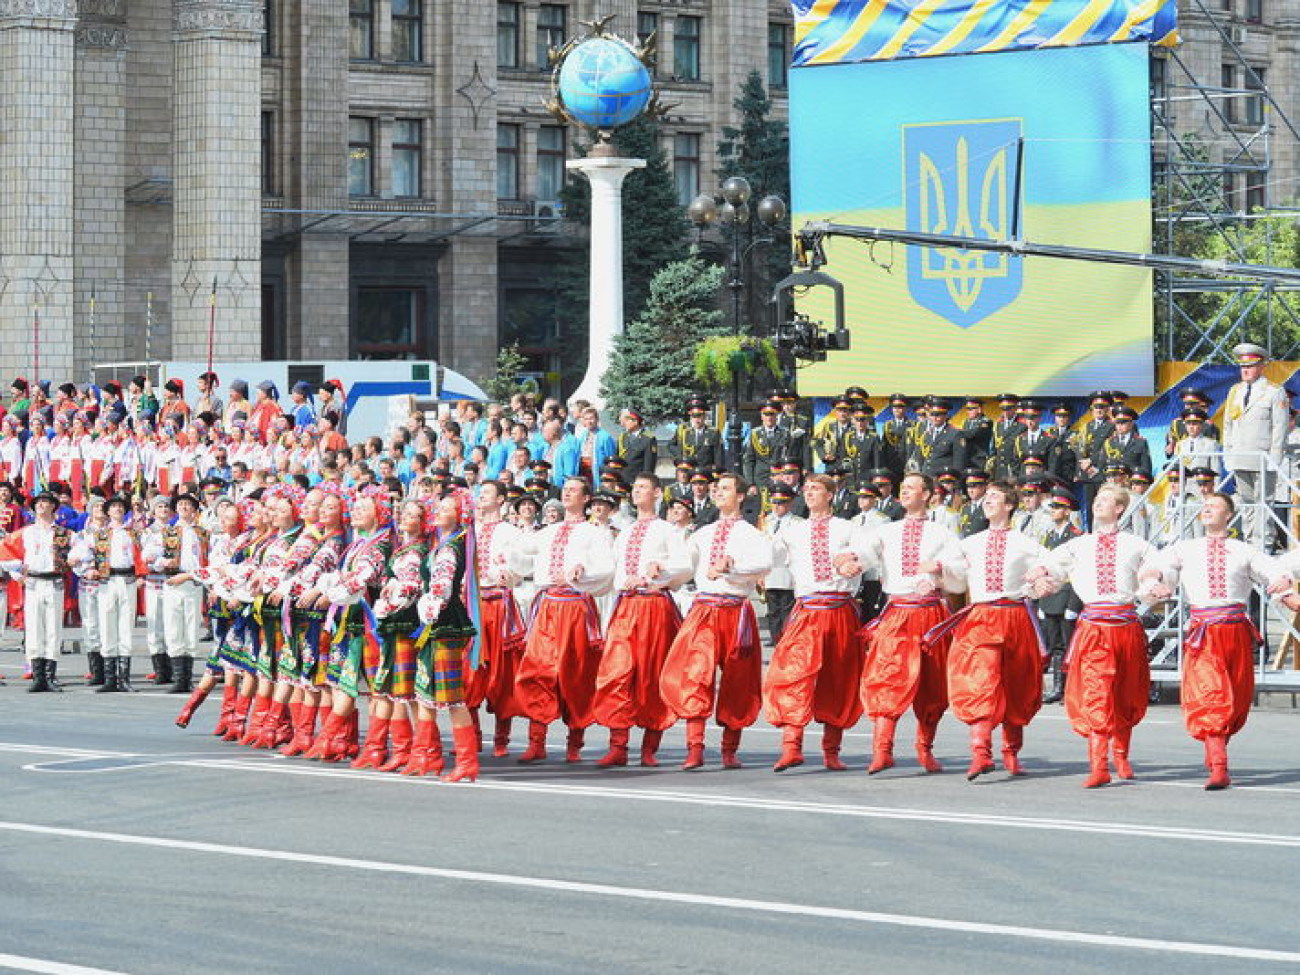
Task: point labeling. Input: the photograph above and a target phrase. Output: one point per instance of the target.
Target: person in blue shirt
(301, 407)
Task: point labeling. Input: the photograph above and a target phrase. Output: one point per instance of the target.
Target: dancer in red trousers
(918, 561)
(556, 679)
(720, 633)
(816, 667)
(1217, 574)
(1108, 678)
(649, 561)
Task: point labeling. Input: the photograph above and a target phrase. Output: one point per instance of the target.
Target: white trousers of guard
(182, 607)
(117, 615)
(153, 618)
(88, 606)
(43, 618)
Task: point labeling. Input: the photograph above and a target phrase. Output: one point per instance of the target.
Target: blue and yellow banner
(846, 31)
(1049, 146)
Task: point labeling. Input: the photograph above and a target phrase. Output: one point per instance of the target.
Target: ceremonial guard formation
(362, 600)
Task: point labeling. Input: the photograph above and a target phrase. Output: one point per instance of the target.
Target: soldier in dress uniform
(861, 448)
(789, 474)
(938, 444)
(1094, 433)
(767, 444)
(844, 500)
(796, 423)
(829, 443)
(703, 510)
(1032, 439)
(977, 432)
(1057, 612)
(638, 449)
(778, 586)
(679, 488)
(539, 485)
(883, 481)
(972, 520)
(1192, 398)
(896, 435)
(695, 441)
(1125, 445)
(1005, 428)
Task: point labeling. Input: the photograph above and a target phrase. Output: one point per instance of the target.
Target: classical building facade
(314, 179)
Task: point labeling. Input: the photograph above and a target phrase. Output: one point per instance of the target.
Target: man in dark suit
(977, 432)
(1125, 446)
(1005, 428)
(896, 435)
(638, 448)
(767, 444)
(861, 448)
(939, 445)
(694, 440)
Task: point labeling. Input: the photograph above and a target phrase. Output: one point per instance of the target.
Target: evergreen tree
(652, 368)
(654, 235)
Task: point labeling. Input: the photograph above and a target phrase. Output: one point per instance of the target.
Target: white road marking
(24, 964)
(675, 897)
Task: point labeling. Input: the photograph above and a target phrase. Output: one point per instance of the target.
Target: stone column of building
(216, 215)
(36, 169)
(1284, 86)
(99, 217)
(314, 116)
(464, 137)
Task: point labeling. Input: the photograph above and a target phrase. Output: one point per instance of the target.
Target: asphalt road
(132, 846)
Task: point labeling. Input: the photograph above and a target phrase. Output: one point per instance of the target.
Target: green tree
(505, 381)
(652, 368)
(654, 235)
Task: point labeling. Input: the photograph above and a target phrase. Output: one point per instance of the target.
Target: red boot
(730, 746)
(832, 736)
(925, 748)
(536, 750)
(198, 697)
(352, 742)
(1122, 738)
(791, 749)
(260, 706)
(328, 729)
(235, 727)
(1098, 762)
(573, 743)
(1013, 739)
(467, 745)
(882, 745)
(304, 727)
(334, 745)
(400, 731)
(229, 695)
(617, 754)
(478, 730)
(1216, 756)
(694, 744)
(650, 748)
(426, 755)
(501, 738)
(268, 736)
(981, 750)
(375, 751)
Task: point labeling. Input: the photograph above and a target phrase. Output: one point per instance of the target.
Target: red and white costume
(501, 640)
(38, 555)
(816, 667)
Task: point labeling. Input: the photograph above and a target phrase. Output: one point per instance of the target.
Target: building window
(387, 323)
(1159, 70)
(507, 35)
(1230, 203)
(1255, 11)
(507, 162)
(268, 154)
(686, 166)
(551, 30)
(268, 36)
(1256, 196)
(1255, 103)
(361, 30)
(778, 55)
(408, 25)
(647, 25)
(686, 49)
(406, 157)
(550, 162)
(1228, 82)
(361, 157)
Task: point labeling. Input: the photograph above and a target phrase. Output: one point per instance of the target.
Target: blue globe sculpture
(603, 84)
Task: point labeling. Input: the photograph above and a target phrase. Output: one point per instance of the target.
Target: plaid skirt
(266, 652)
(440, 669)
(304, 658)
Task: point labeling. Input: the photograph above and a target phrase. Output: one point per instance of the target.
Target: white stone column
(217, 210)
(605, 295)
(99, 217)
(36, 170)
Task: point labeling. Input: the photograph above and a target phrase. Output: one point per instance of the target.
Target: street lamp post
(746, 227)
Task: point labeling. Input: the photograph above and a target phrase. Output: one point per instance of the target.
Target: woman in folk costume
(265, 410)
(239, 588)
(36, 457)
(187, 456)
(447, 646)
(229, 657)
(304, 655)
(11, 448)
(364, 644)
(285, 503)
(99, 451)
(167, 469)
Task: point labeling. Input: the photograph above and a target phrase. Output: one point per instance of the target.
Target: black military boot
(95, 664)
(51, 669)
(124, 674)
(40, 682)
(183, 667)
(162, 668)
(110, 683)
